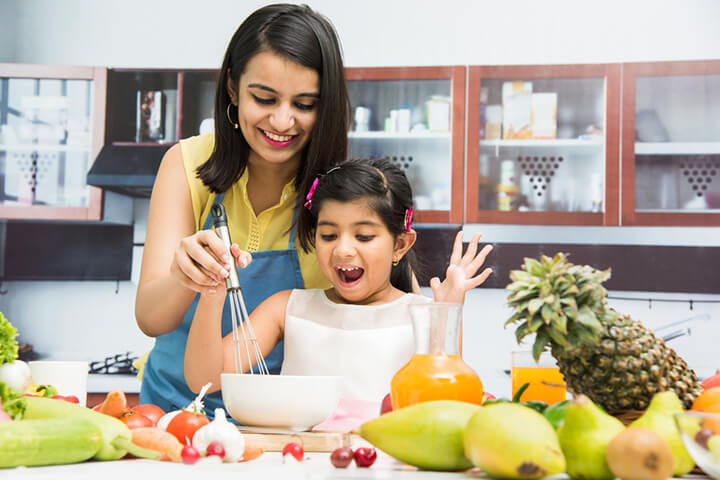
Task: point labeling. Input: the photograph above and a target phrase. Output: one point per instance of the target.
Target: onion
(16, 375)
(165, 419)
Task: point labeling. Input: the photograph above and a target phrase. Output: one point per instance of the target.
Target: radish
(16, 376)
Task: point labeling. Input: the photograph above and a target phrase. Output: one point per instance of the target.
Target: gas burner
(115, 364)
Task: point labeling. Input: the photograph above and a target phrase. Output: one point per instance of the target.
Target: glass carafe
(436, 371)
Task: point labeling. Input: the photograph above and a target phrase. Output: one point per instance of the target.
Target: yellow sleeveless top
(268, 231)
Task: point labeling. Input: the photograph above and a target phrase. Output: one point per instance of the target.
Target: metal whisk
(237, 303)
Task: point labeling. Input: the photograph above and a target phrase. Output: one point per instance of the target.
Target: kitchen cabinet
(416, 117)
(671, 143)
(147, 112)
(51, 129)
(543, 144)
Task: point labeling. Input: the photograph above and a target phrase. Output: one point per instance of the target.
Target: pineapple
(609, 357)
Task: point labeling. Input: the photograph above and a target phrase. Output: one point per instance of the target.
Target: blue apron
(164, 378)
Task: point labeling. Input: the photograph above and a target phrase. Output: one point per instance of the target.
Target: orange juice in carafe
(436, 371)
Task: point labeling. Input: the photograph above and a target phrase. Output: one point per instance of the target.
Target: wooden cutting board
(273, 440)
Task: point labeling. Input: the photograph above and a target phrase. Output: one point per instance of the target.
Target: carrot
(159, 441)
(115, 404)
(251, 452)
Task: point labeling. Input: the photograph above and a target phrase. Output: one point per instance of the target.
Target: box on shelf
(544, 115)
(517, 109)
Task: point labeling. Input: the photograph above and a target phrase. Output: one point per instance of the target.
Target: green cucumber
(48, 442)
(116, 437)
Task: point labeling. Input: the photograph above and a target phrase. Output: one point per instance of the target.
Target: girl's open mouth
(277, 140)
(349, 275)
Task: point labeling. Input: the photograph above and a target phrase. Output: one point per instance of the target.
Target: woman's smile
(277, 140)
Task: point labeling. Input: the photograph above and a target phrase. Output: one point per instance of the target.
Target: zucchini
(48, 441)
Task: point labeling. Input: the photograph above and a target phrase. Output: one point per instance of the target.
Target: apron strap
(293, 229)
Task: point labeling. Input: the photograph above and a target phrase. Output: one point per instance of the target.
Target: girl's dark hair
(303, 36)
(388, 193)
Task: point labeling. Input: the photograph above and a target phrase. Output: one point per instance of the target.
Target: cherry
(341, 457)
(215, 448)
(295, 450)
(386, 405)
(701, 438)
(364, 457)
(189, 454)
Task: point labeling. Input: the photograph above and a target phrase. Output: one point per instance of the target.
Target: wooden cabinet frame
(456, 74)
(611, 74)
(98, 75)
(630, 73)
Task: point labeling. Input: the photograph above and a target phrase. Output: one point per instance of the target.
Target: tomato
(153, 412)
(67, 398)
(185, 424)
(135, 420)
(711, 382)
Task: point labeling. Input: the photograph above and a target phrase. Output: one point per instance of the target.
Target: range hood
(128, 169)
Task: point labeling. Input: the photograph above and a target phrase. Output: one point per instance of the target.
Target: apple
(386, 405)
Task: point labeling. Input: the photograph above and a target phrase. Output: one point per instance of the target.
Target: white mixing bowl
(280, 401)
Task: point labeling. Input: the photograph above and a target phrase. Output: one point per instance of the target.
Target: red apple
(386, 405)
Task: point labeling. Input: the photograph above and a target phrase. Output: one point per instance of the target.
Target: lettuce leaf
(8, 343)
(13, 403)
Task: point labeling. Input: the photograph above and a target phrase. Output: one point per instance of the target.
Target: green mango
(584, 437)
(511, 440)
(659, 418)
(427, 435)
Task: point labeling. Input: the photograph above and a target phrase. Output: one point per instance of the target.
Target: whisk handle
(232, 282)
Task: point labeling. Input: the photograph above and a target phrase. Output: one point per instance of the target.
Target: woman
(281, 118)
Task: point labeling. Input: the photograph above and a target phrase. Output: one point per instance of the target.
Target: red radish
(190, 454)
(295, 450)
(364, 457)
(216, 448)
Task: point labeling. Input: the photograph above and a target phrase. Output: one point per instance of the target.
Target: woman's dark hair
(305, 37)
(388, 193)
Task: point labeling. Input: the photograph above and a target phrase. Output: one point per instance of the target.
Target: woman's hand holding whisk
(460, 275)
(201, 261)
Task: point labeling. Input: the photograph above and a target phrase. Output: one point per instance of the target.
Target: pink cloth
(349, 415)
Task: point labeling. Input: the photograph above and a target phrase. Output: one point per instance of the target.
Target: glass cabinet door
(671, 143)
(542, 144)
(49, 136)
(415, 117)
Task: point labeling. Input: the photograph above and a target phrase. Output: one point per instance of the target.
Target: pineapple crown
(563, 304)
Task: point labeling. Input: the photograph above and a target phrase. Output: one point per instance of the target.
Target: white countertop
(268, 466)
(103, 383)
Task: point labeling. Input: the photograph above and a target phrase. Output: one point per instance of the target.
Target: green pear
(659, 418)
(509, 440)
(584, 438)
(427, 435)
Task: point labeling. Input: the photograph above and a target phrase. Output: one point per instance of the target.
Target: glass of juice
(436, 371)
(547, 384)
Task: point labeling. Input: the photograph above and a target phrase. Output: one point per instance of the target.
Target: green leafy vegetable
(8, 344)
(13, 403)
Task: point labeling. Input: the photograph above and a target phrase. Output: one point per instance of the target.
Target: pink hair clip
(408, 218)
(310, 194)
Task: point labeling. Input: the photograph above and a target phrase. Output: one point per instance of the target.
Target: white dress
(366, 344)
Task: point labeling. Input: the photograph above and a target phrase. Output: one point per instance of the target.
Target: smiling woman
(281, 118)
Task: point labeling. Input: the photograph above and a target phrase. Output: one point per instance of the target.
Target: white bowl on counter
(286, 402)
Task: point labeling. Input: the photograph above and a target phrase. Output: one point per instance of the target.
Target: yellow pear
(509, 440)
(428, 435)
(659, 418)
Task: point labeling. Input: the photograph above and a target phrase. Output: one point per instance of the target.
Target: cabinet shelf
(677, 148)
(570, 142)
(378, 135)
(45, 148)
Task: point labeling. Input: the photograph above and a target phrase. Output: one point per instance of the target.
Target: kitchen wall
(89, 320)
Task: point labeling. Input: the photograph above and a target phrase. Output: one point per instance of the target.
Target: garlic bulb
(220, 430)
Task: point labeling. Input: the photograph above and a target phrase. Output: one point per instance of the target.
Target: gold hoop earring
(227, 112)
(395, 263)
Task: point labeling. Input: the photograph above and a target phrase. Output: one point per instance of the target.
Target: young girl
(360, 328)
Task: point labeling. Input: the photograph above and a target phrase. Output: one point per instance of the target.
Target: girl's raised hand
(201, 261)
(460, 275)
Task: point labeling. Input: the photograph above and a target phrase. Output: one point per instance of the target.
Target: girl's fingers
(242, 258)
(204, 256)
(480, 279)
(472, 249)
(479, 260)
(193, 272)
(457, 249)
